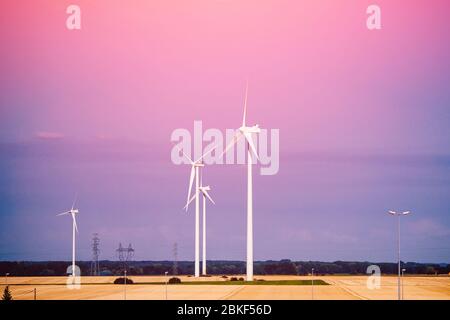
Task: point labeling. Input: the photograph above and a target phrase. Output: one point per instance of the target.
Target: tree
(7, 294)
(174, 280)
(121, 280)
(430, 270)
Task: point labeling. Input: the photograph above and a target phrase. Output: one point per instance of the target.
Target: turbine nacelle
(244, 131)
(72, 212)
(253, 129)
(204, 190)
(195, 166)
(198, 164)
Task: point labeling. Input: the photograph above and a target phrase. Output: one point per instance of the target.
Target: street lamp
(6, 278)
(398, 214)
(403, 289)
(166, 282)
(312, 284)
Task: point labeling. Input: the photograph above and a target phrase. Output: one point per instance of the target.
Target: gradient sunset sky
(363, 117)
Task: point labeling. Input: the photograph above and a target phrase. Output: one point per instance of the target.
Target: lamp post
(398, 214)
(312, 284)
(6, 278)
(166, 282)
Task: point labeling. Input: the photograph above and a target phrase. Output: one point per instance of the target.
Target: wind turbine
(204, 190)
(73, 212)
(246, 132)
(195, 165)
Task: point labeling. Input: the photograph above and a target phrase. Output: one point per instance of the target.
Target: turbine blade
(208, 196)
(75, 222)
(191, 181)
(61, 214)
(248, 137)
(74, 200)
(245, 105)
(204, 155)
(187, 204)
(392, 212)
(185, 155)
(235, 139)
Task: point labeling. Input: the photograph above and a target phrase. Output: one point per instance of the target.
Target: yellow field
(340, 288)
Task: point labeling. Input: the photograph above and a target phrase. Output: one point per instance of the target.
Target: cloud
(419, 159)
(48, 135)
(340, 238)
(428, 227)
(317, 236)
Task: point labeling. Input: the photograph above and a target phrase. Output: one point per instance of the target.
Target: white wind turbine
(246, 132)
(72, 212)
(204, 190)
(195, 165)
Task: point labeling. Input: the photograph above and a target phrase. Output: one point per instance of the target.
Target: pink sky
(363, 118)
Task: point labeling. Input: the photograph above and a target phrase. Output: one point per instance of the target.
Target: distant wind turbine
(204, 190)
(195, 165)
(246, 132)
(73, 212)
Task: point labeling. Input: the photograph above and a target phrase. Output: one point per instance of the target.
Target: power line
(175, 259)
(125, 254)
(95, 267)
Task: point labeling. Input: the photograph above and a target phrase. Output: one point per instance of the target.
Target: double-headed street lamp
(398, 214)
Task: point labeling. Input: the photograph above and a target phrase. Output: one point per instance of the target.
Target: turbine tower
(247, 132)
(195, 168)
(73, 212)
(204, 190)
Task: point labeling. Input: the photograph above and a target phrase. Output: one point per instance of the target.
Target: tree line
(282, 267)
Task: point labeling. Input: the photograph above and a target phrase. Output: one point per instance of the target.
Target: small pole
(35, 294)
(399, 259)
(166, 282)
(312, 284)
(403, 288)
(6, 278)
(125, 285)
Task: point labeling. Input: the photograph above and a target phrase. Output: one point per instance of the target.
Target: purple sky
(363, 118)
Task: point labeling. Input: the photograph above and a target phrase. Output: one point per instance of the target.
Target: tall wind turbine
(195, 166)
(73, 212)
(246, 132)
(204, 190)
